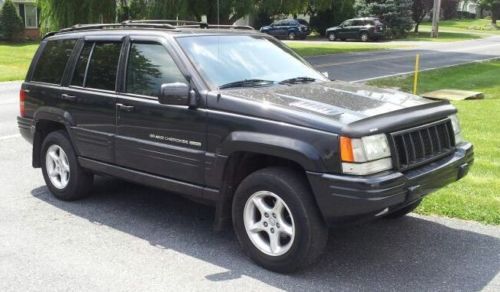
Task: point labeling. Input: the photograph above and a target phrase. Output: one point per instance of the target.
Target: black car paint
(354, 31)
(280, 30)
(263, 120)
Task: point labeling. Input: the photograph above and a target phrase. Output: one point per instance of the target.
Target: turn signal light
(346, 149)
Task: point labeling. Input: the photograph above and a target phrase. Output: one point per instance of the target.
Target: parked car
(236, 120)
(288, 28)
(364, 29)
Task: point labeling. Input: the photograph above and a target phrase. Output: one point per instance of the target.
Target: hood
(334, 103)
(338, 100)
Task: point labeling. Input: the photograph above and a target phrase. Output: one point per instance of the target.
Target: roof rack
(162, 24)
(188, 23)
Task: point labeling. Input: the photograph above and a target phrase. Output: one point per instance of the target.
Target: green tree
(138, 9)
(396, 14)
(420, 9)
(11, 24)
(56, 14)
(324, 18)
(494, 7)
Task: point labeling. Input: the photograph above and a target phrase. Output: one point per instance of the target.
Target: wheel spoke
(53, 156)
(257, 227)
(274, 242)
(51, 171)
(261, 205)
(286, 229)
(278, 207)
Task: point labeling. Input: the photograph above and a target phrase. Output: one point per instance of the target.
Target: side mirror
(176, 93)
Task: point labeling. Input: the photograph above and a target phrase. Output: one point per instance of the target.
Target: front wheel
(277, 221)
(292, 36)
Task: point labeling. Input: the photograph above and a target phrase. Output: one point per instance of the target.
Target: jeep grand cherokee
(233, 118)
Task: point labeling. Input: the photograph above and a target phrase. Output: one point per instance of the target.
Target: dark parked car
(364, 29)
(236, 120)
(288, 28)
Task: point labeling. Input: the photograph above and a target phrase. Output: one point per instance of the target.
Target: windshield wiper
(297, 80)
(247, 83)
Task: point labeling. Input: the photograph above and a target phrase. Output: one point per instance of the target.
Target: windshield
(226, 59)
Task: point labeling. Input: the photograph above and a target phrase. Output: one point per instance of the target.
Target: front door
(165, 140)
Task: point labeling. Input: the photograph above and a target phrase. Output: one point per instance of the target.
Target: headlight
(455, 123)
(366, 155)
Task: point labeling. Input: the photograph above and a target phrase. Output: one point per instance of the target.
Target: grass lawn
(15, 60)
(314, 48)
(477, 196)
(444, 36)
(465, 25)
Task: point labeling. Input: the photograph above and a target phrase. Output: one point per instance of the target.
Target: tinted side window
(149, 66)
(81, 65)
(51, 64)
(101, 72)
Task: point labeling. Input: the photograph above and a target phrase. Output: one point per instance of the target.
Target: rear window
(97, 65)
(52, 62)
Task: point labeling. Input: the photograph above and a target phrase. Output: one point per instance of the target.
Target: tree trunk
(416, 27)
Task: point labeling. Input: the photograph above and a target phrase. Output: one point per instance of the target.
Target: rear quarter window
(52, 62)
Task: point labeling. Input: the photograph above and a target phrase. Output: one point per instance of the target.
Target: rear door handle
(68, 97)
(126, 108)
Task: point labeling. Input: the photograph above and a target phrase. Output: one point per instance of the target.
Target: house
(29, 13)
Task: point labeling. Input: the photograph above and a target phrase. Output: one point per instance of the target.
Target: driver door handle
(126, 108)
(68, 97)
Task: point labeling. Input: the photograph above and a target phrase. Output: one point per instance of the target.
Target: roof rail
(165, 21)
(162, 24)
(188, 23)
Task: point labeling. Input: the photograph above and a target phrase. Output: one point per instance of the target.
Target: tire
(364, 37)
(331, 36)
(292, 36)
(302, 235)
(343, 39)
(59, 159)
(404, 211)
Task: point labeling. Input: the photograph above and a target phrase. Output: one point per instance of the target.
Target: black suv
(237, 120)
(288, 28)
(364, 29)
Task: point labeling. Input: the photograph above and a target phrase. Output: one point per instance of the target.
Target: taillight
(22, 98)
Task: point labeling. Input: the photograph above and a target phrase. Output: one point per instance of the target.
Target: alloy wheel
(58, 170)
(269, 223)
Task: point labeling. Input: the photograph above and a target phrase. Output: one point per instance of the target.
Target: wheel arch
(47, 120)
(247, 152)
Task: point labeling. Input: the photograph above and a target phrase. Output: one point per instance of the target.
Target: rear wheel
(331, 36)
(63, 175)
(276, 220)
(364, 37)
(404, 211)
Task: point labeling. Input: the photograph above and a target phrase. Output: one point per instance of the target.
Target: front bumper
(344, 198)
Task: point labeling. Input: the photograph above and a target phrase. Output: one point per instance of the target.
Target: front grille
(416, 146)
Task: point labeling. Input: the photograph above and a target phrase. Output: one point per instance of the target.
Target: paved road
(367, 65)
(131, 238)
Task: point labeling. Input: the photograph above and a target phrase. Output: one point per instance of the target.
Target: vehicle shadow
(406, 254)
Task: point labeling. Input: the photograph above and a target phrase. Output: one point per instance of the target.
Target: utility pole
(436, 10)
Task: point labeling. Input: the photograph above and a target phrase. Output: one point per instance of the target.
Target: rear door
(90, 97)
(166, 140)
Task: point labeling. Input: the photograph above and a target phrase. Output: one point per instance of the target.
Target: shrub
(11, 24)
(396, 14)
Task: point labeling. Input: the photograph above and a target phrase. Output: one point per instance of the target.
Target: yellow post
(415, 80)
